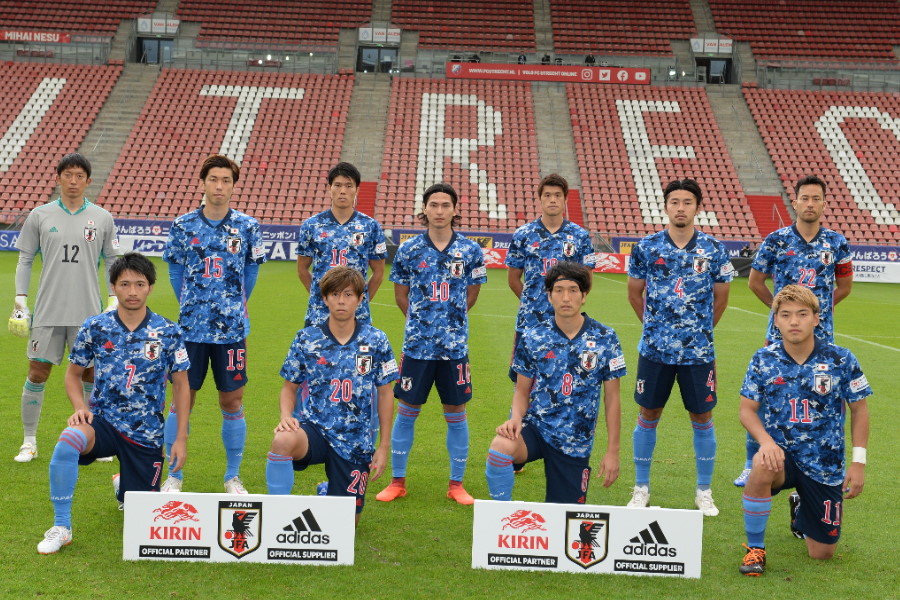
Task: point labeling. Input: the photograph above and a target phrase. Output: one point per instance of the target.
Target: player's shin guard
(170, 433)
(752, 447)
(756, 516)
(32, 401)
(234, 435)
(644, 442)
(499, 474)
(704, 452)
(279, 473)
(402, 436)
(64, 474)
(457, 443)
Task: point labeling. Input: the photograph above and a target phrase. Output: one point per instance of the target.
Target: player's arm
(287, 401)
(757, 285)
(377, 277)
(859, 434)
(514, 279)
(636, 288)
(842, 287)
(401, 296)
(385, 418)
(771, 453)
(472, 295)
(720, 300)
(75, 392)
(521, 398)
(609, 465)
(304, 264)
(181, 400)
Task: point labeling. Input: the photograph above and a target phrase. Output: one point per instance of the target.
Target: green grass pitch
(420, 546)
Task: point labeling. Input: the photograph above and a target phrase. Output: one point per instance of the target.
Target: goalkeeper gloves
(112, 304)
(20, 321)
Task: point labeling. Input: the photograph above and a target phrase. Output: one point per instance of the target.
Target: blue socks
(457, 443)
(752, 449)
(279, 473)
(643, 441)
(756, 516)
(704, 452)
(234, 434)
(64, 474)
(499, 474)
(402, 438)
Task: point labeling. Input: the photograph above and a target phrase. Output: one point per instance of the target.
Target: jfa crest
(240, 524)
(406, 383)
(822, 384)
(233, 244)
(569, 249)
(457, 268)
(363, 364)
(588, 360)
(701, 265)
(587, 534)
(90, 231)
(640, 386)
(827, 257)
(152, 349)
(358, 238)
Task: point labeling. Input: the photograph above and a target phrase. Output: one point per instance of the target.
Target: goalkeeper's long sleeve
(23, 273)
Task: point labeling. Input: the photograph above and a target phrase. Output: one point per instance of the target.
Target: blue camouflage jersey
(534, 250)
(803, 405)
(678, 301)
(437, 322)
(213, 299)
(339, 385)
(568, 377)
(331, 244)
(789, 258)
(131, 369)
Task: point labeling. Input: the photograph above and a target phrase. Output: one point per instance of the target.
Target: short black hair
(688, 185)
(566, 269)
(344, 169)
(220, 161)
(810, 180)
(443, 188)
(554, 180)
(132, 261)
(74, 160)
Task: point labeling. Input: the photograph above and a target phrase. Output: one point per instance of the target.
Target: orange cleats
(458, 493)
(391, 492)
(754, 563)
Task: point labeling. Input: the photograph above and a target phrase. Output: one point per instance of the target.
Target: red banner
(495, 258)
(574, 74)
(50, 37)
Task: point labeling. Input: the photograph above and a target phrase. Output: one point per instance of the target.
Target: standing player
(340, 236)
(792, 403)
(678, 282)
(72, 235)
(806, 254)
(133, 351)
(214, 255)
(562, 365)
(437, 276)
(537, 246)
(336, 394)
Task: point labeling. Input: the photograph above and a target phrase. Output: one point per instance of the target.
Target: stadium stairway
(367, 123)
(555, 140)
(769, 212)
(365, 199)
(573, 208)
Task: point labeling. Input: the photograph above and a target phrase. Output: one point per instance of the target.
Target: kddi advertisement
(307, 530)
(587, 539)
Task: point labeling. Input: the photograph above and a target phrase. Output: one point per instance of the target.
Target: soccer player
(537, 246)
(806, 254)
(336, 395)
(792, 403)
(678, 283)
(214, 254)
(437, 276)
(72, 235)
(340, 236)
(133, 351)
(562, 365)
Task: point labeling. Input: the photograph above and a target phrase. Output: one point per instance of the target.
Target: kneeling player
(561, 365)
(802, 384)
(133, 351)
(333, 374)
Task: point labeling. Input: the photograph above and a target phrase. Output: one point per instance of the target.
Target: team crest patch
(822, 384)
(90, 231)
(364, 364)
(701, 264)
(152, 349)
(587, 534)
(588, 360)
(827, 257)
(358, 238)
(240, 524)
(406, 383)
(640, 386)
(569, 249)
(233, 244)
(457, 268)
(34, 345)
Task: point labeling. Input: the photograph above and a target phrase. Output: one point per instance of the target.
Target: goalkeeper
(71, 234)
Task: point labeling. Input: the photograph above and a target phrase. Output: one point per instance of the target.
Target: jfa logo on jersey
(233, 244)
(827, 257)
(358, 238)
(239, 526)
(152, 349)
(588, 360)
(406, 383)
(457, 268)
(640, 386)
(569, 249)
(822, 384)
(586, 539)
(364, 364)
(90, 231)
(701, 265)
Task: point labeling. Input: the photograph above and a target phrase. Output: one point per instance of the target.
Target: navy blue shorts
(229, 364)
(139, 466)
(567, 476)
(451, 377)
(821, 506)
(696, 382)
(345, 478)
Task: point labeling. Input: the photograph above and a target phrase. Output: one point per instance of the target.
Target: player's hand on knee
(510, 429)
(287, 424)
(82, 416)
(20, 320)
(771, 456)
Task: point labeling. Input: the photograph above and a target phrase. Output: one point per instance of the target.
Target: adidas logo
(195, 241)
(550, 354)
(321, 361)
(108, 345)
(303, 530)
(779, 381)
(660, 261)
(54, 230)
(791, 253)
(650, 542)
(423, 265)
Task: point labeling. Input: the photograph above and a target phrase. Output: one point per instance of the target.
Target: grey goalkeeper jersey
(71, 246)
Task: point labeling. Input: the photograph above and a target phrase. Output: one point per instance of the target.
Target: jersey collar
(817, 346)
(224, 220)
(449, 244)
(63, 206)
(689, 246)
(327, 331)
(142, 324)
(584, 327)
(803, 239)
(331, 216)
(543, 227)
